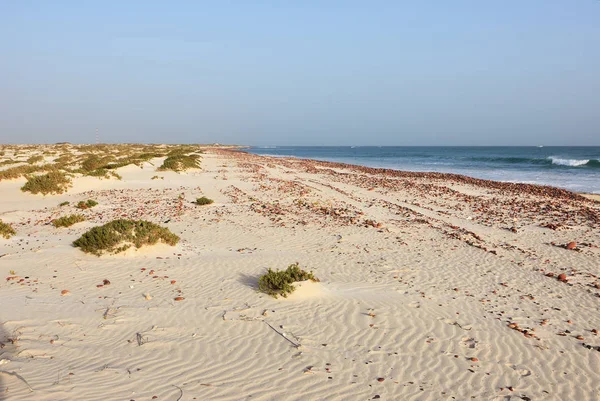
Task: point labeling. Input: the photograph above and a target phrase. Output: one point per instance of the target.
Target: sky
(508, 72)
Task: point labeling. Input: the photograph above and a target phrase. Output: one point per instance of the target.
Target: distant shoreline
(439, 175)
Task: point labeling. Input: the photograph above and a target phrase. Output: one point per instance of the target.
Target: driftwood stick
(296, 345)
(180, 392)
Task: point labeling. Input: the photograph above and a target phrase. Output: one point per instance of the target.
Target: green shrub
(53, 182)
(180, 162)
(8, 161)
(180, 150)
(68, 221)
(101, 172)
(6, 230)
(203, 201)
(35, 159)
(65, 203)
(115, 174)
(136, 159)
(19, 171)
(90, 203)
(94, 162)
(158, 178)
(64, 159)
(118, 235)
(280, 282)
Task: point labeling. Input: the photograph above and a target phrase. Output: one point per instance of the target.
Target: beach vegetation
(64, 159)
(94, 162)
(68, 221)
(35, 159)
(90, 203)
(8, 161)
(23, 170)
(182, 150)
(6, 230)
(203, 201)
(118, 235)
(280, 282)
(180, 162)
(65, 203)
(54, 182)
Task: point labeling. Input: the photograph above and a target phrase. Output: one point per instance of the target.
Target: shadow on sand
(7, 351)
(250, 281)
(5, 346)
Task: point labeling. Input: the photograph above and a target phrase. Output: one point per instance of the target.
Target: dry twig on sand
(180, 392)
(296, 345)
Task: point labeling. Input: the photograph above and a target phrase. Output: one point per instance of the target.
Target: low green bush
(24, 170)
(279, 282)
(90, 203)
(6, 230)
(8, 161)
(203, 201)
(35, 159)
(180, 162)
(68, 221)
(119, 235)
(65, 203)
(53, 182)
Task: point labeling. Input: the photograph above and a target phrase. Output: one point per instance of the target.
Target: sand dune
(420, 277)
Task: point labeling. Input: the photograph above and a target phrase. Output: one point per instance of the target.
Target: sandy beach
(432, 286)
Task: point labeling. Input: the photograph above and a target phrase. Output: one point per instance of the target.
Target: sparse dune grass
(6, 230)
(203, 201)
(90, 203)
(54, 182)
(96, 160)
(180, 162)
(8, 161)
(35, 159)
(119, 235)
(279, 282)
(68, 221)
(19, 171)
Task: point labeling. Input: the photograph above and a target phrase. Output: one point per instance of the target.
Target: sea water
(570, 167)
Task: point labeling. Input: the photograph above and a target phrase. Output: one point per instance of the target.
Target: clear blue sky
(301, 72)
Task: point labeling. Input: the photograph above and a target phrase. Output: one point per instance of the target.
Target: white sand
(410, 302)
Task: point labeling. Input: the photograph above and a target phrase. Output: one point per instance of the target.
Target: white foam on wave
(568, 162)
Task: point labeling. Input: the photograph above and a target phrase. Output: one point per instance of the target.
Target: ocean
(576, 168)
